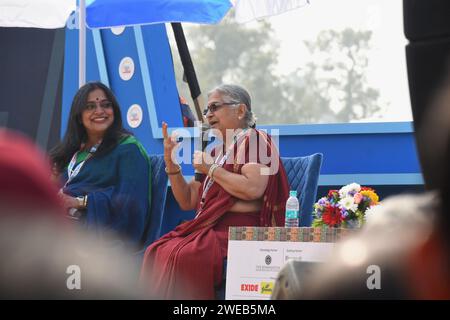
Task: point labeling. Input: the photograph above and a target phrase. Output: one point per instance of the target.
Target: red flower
(332, 216)
(332, 193)
(367, 189)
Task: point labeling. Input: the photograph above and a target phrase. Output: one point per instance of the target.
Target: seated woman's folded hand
(68, 201)
(202, 161)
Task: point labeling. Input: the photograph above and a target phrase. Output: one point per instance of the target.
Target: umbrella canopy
(111, 13)
(51, 14)
(248, 10)
(47, 14)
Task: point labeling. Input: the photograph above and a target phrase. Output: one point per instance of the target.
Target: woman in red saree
(246, 185)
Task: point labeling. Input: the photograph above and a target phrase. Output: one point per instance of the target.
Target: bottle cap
(293, 193)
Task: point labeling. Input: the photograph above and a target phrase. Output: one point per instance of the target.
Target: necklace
(208, 181)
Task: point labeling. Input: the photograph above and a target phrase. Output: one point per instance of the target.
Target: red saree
(187, 262)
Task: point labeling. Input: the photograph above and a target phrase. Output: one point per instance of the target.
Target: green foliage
(333, 88)
(230, 53)
(317, 223)
(343, 72)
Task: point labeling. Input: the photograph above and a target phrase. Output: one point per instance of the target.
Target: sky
(387, 63)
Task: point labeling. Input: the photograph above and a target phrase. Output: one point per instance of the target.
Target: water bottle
(292, 209)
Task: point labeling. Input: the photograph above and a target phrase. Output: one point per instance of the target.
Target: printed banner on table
(256, 255)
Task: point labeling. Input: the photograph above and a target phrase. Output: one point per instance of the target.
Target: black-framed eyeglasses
(91, 106)
(213, 107)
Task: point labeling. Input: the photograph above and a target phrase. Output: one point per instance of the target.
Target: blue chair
(158, 197)
(158, 200)
(303, 175)
(158, 192)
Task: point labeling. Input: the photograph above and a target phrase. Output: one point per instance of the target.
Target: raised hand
(170, 144)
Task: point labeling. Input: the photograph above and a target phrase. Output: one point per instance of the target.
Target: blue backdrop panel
(357, 153)
(160, 66)
(377, 153)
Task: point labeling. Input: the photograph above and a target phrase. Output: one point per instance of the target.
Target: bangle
(174, 172)
(213, 168)
(82, 202)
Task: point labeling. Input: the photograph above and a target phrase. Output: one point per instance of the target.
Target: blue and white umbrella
(50, 14)
(111, 13)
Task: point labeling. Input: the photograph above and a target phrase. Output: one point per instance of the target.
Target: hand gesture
(202, 161)
(170, 144)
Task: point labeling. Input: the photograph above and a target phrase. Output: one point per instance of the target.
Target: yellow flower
(371, 195)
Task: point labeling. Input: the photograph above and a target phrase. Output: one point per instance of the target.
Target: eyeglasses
(91, 106)
(213, 107)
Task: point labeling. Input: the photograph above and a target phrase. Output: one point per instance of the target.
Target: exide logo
(249, 287)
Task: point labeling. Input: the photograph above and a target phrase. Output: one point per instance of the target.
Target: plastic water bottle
(292, 209)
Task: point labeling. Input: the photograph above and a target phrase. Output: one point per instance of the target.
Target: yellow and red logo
(249, 287)
(266, 287)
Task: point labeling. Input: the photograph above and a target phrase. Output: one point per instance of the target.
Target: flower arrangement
(346, 207)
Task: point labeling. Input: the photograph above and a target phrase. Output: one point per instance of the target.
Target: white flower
(349, 204)
(350, 188)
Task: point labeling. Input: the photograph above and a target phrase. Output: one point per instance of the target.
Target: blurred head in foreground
(25, 178)
(43, 255)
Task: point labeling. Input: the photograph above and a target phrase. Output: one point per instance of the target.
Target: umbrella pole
(188, 67)
(194, 87)
(82, 43)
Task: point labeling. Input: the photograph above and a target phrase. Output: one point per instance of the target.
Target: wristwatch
(82, 202)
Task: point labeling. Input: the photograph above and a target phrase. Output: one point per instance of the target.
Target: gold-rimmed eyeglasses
(213, 107)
